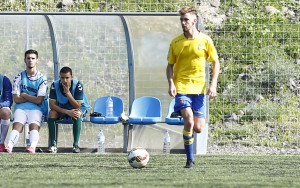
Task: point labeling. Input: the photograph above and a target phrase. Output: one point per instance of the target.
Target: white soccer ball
(138, 157)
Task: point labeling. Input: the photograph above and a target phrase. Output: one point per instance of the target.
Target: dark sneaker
(52, 149)
(176, 115)
(189, 164)
(76, 149)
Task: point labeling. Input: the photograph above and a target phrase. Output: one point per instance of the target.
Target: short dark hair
(65, 70)
(187, 9)
(31, 52)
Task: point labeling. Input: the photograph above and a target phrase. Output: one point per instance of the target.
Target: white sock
(4, 130)
(13, 138)
(34, 137)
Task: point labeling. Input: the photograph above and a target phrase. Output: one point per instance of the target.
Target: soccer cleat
(2, 148)
(76, 149)
(30, 150)
(176, 115)
(8, 150)
(189, 164)
(52, 149)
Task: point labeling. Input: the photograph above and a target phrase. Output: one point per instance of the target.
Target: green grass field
(113, 170)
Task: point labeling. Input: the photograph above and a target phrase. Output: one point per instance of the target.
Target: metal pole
(127, 133)
(27, 5)
(54, 46)
(27, 9)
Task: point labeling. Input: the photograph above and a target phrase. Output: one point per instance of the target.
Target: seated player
(67, 100)
(30, 95)
(5, 106)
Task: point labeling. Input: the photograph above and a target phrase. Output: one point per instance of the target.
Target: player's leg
(199, 113)
(199, 124)
(76, 134)
(183, 103)
(52, 127)
(199, 109)
(20, 119)
(5, 114)
(35, 119)
(188, 135)
(34, 137)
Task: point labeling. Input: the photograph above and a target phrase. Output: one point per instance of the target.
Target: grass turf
(113, 170)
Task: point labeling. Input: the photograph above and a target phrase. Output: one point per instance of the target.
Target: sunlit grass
(113, 170)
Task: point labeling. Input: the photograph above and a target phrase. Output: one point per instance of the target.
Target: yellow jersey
(189, 57)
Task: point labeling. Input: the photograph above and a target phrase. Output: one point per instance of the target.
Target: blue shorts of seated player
(197, 102)
(68, 119)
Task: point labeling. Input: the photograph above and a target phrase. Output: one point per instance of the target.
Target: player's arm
(55, 107)
(72, 100)
(76, 104)
(212, 90)
(214, 59)
(7, 95)
(78, 94)
(42, 92)
(16, 90)
(52, 101)
(169, 73)
(74, 113)
(34, 99)
(18, 99)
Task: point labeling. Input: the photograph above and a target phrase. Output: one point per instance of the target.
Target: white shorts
(28, 116)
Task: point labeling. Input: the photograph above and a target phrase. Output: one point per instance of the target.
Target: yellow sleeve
(171, 58)
(211, 51)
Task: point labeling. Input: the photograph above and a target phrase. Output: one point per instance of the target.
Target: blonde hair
(187, 9)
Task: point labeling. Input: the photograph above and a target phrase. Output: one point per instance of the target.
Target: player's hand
(23, 94)
(74, 113)
(212, 92)
(172, 90)
(66, 88)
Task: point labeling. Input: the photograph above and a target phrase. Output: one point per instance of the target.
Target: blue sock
(188, 139)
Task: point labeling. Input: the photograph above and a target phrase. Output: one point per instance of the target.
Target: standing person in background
(66, 101)
(185, 72)
(30, 95)
(5, 108)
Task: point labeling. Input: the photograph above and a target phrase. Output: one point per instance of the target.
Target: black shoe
(176, 115)
(52, 149)
(76, 149)
(189, 164)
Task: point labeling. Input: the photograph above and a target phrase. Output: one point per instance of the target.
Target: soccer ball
(138, 157)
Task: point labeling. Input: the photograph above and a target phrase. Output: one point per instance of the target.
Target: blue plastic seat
(145, 110)
(100, 107)
(173, 120)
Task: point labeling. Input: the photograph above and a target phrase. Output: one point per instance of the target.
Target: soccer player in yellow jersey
(185, 72)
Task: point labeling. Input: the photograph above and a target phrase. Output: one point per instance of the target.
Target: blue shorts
(65, 117)
(196, 101)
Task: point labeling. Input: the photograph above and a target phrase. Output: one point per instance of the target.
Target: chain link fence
(258, 45)
(93, 5)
